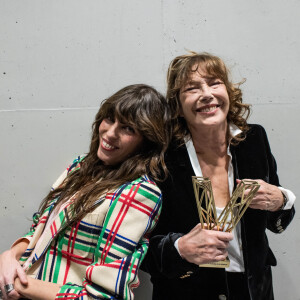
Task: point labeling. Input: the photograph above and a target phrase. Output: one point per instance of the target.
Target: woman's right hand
(201, 246)
(10, 269)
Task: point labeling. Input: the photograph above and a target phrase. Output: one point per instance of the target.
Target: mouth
(208, 108)
(106, 145)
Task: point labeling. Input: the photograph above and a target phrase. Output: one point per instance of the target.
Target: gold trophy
(230, 215)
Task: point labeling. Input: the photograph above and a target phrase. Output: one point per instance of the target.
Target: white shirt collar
(234, 130)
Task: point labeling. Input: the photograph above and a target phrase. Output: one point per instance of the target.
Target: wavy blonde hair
(179, 72)
(146, 110)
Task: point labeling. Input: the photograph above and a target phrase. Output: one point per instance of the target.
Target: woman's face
(117, 141)
(204, 101)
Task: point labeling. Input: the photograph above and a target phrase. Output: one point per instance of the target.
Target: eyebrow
(195, 82)
(191, 82)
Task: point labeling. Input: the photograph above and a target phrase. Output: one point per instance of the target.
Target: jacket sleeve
(37, 218)
(163, 259)
(121, 246)
(277, 221)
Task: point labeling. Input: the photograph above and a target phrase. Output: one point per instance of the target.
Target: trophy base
(218, 264)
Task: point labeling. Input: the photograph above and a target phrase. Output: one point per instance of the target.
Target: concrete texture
(59, 59)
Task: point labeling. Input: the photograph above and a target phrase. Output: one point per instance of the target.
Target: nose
(206, 94)
(112, 131)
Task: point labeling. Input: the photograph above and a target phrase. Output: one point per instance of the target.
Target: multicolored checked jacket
(98, 257)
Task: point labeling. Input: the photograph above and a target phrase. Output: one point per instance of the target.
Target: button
(281, 230)
(187, 274)
(279, 227)
(278, 222)
(222, 297)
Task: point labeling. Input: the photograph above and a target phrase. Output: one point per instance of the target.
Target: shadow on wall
(144, 291)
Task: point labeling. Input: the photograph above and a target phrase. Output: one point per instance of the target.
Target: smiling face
(204, 101)
(117, 141)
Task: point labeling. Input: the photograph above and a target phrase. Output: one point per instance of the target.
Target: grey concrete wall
(59, 59)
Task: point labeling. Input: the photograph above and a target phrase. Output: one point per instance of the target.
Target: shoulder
(142, 189)
(176, 153)
(256, 133)
(146, 183)
(256, 128)
(75, 165)
(256, 142)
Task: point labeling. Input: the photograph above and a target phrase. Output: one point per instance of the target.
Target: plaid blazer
(99, 256)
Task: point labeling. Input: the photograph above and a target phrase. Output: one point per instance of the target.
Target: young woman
(215, 141)
(90, 235)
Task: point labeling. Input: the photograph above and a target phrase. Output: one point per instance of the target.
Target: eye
(109, 119)
(216, 83)
(190, 88)
(128, 129)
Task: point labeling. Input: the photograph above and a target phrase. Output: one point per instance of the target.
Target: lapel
(57, 226)
(40, 227)
(50, 232)
(234, 164)
(185, 172)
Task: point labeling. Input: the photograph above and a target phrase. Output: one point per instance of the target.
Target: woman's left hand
(268, 197)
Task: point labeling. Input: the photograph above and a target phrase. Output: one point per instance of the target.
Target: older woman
(90, 235)
(214, 140)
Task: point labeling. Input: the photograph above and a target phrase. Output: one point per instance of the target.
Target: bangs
(124, 110)
(213, 67)
(209, 67)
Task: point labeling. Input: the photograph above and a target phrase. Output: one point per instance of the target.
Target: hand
(10, 269)
(202, 246)
(35, 289)
(268, 197)
(18, 285)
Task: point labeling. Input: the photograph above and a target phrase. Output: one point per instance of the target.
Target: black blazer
(174, 278)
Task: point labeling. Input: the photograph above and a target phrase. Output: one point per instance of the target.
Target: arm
(270, 196)
(199, 246)
(196, 247)
(37, 289)
(121, 245)
(10, 267)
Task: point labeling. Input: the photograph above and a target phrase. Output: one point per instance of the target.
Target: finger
(221, 257)
(224, 236)
(22, 275)
(205, 226)
(1, 292)
(254, 202)
(261, 206)
(14, 295)
(4, 295)
(219, 254)
(221, 246)
(197, 228)
(9, 288)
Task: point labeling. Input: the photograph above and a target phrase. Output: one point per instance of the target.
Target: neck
(210, 140)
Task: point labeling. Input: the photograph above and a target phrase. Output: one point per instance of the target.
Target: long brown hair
(146, 110)
(179, 72)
